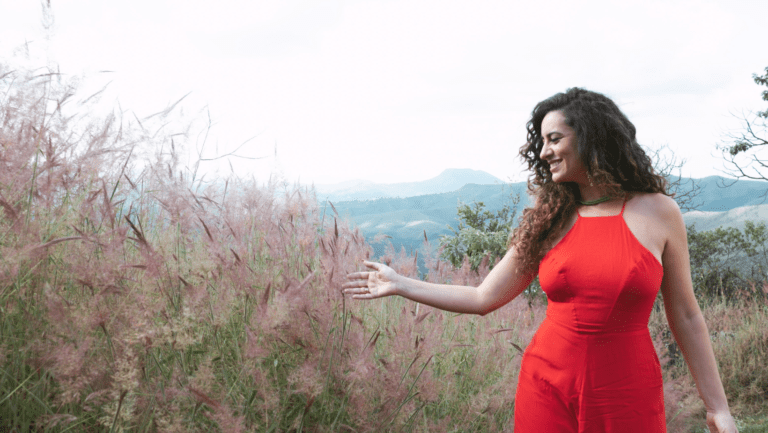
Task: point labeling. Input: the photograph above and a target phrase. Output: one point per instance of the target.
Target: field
(136, 297)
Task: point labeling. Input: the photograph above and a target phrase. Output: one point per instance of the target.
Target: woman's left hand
(721, 422)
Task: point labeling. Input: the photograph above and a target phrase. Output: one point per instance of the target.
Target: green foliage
(481, 233)
(753, 138)
(727, 262)
(762, 80)
(757, 235)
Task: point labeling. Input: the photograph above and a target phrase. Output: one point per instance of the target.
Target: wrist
(719, 405)
(401, 285)
(719, 411)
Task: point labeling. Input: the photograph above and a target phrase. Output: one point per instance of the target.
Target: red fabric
(592, 367)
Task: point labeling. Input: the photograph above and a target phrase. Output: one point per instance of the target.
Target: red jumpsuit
(592, 367)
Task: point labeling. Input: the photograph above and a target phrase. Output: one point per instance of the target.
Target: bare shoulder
(656, 204)
(654, 219)
(664, 220)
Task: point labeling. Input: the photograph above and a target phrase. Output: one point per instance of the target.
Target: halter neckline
(606, 216)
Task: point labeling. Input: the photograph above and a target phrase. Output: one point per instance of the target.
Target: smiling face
(560, 149)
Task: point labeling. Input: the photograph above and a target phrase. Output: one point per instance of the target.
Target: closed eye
(554, 139)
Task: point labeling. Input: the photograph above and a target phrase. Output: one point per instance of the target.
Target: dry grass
(135, 297)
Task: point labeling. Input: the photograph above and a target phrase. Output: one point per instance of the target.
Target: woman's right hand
(721, 422)
(375, 283)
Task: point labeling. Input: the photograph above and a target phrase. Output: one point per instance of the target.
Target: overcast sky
(393, 90)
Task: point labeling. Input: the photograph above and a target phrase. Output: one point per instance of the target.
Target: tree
(742, 150)
(666, 166)
(715, 258)
(757, 237)
(481, 233)
(726, 262)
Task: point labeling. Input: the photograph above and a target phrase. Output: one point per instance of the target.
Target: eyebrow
(549, 135)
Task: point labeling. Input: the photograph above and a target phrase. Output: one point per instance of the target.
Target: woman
(604, 238)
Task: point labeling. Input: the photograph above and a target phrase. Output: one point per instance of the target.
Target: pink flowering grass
(136, 297)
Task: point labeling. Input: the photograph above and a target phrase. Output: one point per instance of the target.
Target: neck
(589, 193)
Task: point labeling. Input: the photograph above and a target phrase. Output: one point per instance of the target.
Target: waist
(594, 319)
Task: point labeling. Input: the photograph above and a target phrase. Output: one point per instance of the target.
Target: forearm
(459, 299)
(692, 336)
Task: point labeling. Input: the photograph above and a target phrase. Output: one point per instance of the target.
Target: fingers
(357, 278)
(364, 274)
(362, 281)
(357, 291)
(357, 286)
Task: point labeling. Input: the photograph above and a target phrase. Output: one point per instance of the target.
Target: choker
(594, 202)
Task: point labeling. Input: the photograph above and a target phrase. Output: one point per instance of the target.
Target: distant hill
(407, 219)
(720, 194)
(732, 218)
(449, 180)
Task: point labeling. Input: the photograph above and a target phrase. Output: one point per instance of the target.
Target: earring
(590, 180)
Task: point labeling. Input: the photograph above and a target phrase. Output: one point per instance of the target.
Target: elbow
(489, 304)
(696, 322)
(487, 308)
(692, 323)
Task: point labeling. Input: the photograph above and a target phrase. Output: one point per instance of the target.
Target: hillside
(408, 219)
(449, 180)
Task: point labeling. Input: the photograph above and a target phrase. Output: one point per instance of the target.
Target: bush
(726, 263)
(481, 233)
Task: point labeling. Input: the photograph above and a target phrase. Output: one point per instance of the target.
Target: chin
(557, 178)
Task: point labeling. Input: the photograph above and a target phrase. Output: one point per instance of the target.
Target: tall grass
(134, 297)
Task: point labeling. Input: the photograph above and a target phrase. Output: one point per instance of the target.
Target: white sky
(399, 90)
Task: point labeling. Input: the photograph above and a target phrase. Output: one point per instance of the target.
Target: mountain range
(449, 180)
(407, 212)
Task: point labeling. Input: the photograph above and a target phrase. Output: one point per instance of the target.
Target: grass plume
(135, 297)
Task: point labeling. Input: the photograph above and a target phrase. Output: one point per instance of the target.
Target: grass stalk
(52, 300)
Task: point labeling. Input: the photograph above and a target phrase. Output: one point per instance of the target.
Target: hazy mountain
(449, 180)
(732, 218)
(717, 193)
(407, 219)
(715, 201)
(721, 194)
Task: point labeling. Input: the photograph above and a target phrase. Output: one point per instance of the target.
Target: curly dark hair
(607, 146)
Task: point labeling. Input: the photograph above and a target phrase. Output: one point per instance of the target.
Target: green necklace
(594, 202)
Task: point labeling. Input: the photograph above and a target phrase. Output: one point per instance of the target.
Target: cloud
(413, 87)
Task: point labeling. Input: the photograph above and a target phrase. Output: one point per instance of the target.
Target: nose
(545, 150)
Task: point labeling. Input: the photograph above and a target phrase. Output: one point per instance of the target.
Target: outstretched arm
(687, 322)
(503, 283)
